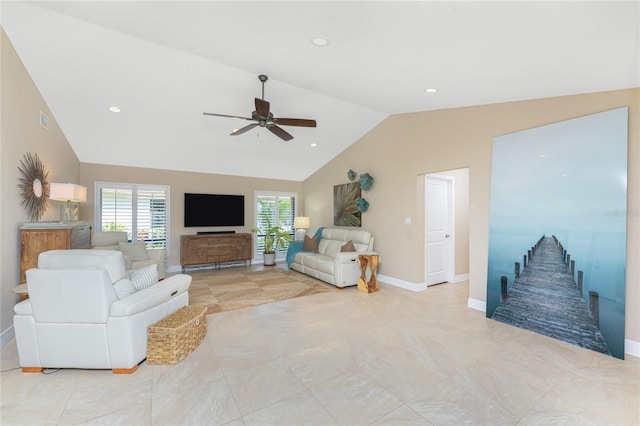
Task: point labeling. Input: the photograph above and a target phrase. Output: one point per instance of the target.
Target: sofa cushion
(330, 247)
(124, 288)
(144, 277)
(107, 240)
(135, 251)
(310, 244)
(111, 261)
(359, 237)
(348, 247)
(315, 261)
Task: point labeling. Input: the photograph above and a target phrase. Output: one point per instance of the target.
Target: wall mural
(348, 205)
(345, 206)
(557, 236)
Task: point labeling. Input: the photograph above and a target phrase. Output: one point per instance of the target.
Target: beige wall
(179, 183)
(404, 147)
(20, 133)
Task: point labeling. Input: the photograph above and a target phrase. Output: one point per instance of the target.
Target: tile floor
(344, 358)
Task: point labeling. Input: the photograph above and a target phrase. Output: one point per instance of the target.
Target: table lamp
(301, 223)
(71, 194)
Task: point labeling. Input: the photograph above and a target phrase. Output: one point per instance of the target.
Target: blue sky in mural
(566, 179)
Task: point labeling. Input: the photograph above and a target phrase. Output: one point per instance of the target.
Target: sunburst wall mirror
(34, 188)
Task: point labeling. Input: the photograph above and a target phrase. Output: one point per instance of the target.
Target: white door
(439, 229)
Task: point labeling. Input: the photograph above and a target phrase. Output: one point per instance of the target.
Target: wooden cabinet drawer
(208, 249)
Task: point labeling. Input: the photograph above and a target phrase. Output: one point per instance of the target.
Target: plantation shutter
(116, 210)
(280, 208)
(152, 217)
(140, 210)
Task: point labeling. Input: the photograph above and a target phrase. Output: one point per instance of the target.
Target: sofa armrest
(151, 296)
(350, 256)
(23, 308)
(346, 257)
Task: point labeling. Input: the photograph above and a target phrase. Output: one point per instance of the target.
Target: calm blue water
(600, 255)
(567, 179)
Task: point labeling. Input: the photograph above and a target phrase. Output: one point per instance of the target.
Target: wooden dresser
(42, 236)
(214, 249)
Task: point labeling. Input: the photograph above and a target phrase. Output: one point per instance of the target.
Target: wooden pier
(546, 299)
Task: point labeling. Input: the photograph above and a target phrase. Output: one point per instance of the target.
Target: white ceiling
(164, 63)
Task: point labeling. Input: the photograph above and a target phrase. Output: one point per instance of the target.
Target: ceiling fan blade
(279, 132)
(227, 116)
(262, 108)
(242, 130)
(300, 122)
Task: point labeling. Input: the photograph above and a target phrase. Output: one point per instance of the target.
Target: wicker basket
(173, 338)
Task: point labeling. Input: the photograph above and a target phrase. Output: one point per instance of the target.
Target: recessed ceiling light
(114, 109)
(431, 90)
(313, 145)
(320, 42)
(542, 155)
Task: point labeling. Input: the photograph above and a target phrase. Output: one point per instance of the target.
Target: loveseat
(79, 316)
(136, 256)
(329, 263)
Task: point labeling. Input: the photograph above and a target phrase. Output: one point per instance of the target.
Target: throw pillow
(348, 247)
(124, 288)
(310, 244)
(135, 251)
(144, 277)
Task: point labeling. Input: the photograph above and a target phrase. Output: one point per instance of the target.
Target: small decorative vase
(269, 259)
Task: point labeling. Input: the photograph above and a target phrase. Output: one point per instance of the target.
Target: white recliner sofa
(331, 265)
(74, 318)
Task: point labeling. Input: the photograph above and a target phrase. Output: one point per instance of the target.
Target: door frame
(451, 245)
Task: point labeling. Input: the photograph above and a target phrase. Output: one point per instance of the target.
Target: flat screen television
(213, 210)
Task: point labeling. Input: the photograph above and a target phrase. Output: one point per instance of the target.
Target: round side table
(22, 291)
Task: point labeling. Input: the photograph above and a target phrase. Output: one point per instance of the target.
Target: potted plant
(274, 237)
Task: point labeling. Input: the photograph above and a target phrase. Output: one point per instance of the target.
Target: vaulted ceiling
(165, 63)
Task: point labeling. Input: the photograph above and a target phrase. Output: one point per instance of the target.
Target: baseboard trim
(478, 305)
(460, 278)
(7, 335)
(407, 285)
(174, 269)
(632, 348)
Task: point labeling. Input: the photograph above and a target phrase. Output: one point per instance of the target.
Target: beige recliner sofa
(331, 265)
(75, 319)
(111, 240)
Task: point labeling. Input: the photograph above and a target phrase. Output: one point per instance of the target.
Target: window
(280, 208)
(140, 210)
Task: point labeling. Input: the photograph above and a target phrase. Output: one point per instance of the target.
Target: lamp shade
(67, 192)
(302, 222)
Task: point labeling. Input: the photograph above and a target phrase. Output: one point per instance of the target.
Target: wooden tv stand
(213, 249)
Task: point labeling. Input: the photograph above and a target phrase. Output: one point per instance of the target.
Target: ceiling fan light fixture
(263, 117)
(320, 41)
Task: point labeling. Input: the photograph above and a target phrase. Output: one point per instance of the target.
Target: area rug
(240, 287)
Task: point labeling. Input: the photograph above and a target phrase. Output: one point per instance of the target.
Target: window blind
(280, 209)
(140, 210)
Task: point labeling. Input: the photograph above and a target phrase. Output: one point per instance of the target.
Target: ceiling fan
(263, 117)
